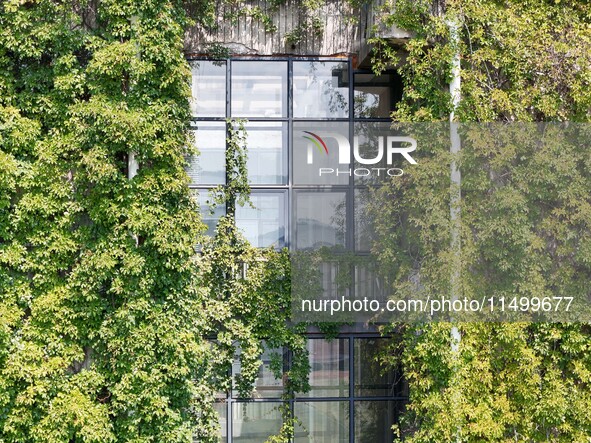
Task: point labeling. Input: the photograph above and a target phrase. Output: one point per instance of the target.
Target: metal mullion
(320, 120)
(290, 240)
(229, 419)
(351, 390)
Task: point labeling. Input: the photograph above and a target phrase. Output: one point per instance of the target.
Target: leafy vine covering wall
(525, 218)
(113, 328)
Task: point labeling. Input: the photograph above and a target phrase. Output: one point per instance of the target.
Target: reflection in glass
(263, 225)
(326, 422)
(208, 89)
(364, 234)
(267, 148)
(371, 379)
(316, 162)
(374, 420)
(266, 384)
(375, 95)
(320, 219)
(210, 216)
(254, 422)
(222, 410)
(368, 283)
(209, 165)
(329, 368)
(259, 89)
(371, 143)
(320, 89)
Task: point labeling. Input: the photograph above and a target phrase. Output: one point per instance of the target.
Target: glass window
(209, 215)
(209, 165)
(318, 148)
(375, 95)
(319, 421)
(263, 225)
(266, 385)
(320, 89)
(254, 422)
(368, 282)
(320, 219)
(371, 145)
(374, 420)
(371, 378)
(267, 151)
(208, 88)
(329, 368)
(364, 224)
(222, 411)
(259, 89)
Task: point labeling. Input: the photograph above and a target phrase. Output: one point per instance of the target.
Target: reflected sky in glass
(259, 89)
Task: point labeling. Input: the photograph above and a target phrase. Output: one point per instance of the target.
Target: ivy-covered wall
(524, 218)
(114, 328)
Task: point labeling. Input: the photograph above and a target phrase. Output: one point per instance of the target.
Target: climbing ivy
(524, 218)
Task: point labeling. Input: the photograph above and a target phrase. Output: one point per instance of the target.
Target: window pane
(263, 225)
(376, 95)
(363, 221)
(371, 378)
(222, 410)
(326, 422)
(254, 422)
(368, 283)
(259, 89)
(372, 145)
(320, 89)
(209, 166)
(210, 216)
(208, 89)
(329, 368)
(320, 219)
(317, 150)
(374, 420)
(267, 152)
(266, 385)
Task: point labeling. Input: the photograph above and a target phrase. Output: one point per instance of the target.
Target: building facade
(286, 90)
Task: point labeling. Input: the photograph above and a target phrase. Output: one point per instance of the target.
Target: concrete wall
(344, 29)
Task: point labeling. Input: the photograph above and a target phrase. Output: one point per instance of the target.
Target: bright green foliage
(521, 60)
(249, 299)
(100, 333)
(524, 214)
(113, 326)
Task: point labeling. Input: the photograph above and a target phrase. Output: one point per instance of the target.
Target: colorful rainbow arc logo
(317, 141)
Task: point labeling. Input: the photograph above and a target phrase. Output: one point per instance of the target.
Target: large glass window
(267, 385)
(210, 213)
(263, 224)
(259, 89)
(208, 88)
(301, 119)
(374, 420)
(267, 152)
(321, 219)
(318, 148)
(326, 422)
(371, 378)
(221, 409)
(209, 166)
(254, 422)
(320, 89)
(329, 368)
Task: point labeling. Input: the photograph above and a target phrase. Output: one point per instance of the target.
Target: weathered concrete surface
(343, 31)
